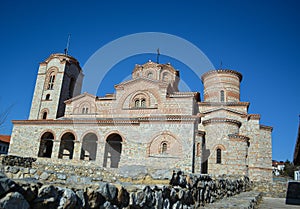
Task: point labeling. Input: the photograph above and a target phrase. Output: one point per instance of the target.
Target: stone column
(77, 150)
(55, 149)
(100, 153)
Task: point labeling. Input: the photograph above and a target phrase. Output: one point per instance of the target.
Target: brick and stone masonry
(147, 121)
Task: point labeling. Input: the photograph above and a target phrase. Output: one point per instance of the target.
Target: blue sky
(260, 39)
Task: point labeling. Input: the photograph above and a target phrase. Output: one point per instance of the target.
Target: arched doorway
(89, 147)
(66, 147)
(46, 145)
(113, 150)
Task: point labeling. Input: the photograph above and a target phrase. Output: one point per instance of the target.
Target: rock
(47, 198)
(123, 198)
(108, 191)
(6, 185)
(14, 200)
(95, 199)
(68, 199)
(81, 199)
(61, 176)
(44, 176)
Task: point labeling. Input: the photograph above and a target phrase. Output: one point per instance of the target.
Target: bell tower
(59, 78)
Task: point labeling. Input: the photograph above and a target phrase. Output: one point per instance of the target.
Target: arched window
(150, 75)
(143, 103)
(222, 96)
(165, 77)
(45, 115)
(48, 97)
(85, 110)
(137, 103)
(198, 149)
(164, 148)
(51, 81)
(140, 103)
(219, 156)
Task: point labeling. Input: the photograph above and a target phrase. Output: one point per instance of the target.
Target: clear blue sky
(260, 39)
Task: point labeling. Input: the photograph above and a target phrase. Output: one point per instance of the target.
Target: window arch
(44, 114)
(222, 96)
(164, 148)
(46, 145)
(140, 101)
(47, 97)
(85, 110)
(66, 147)
(51, 80)
(150, 75)
(165, 76)
(219, 156)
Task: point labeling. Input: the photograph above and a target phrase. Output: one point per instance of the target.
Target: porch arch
(46, 145)
(89, 147)
(66, 148)
(112, 151)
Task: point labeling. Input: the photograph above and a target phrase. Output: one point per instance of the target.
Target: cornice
(221, 120)
(224, 104)
(110, 121)
(222, 71)
(238, 137)
(267, 128)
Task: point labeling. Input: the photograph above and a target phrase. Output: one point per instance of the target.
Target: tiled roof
(5, 138)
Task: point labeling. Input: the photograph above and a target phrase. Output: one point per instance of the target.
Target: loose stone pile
(18, 161)
(183, 192)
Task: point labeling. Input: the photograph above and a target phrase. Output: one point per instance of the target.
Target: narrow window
(219, 156)
(143, 103)
(44, 115)
(198, 149)
(164, 147)
(48, 97)
(222, 96)
(86, 110)
(165, 77)
(150, 75)
(83, 110)
(137, 103)
(51, 81)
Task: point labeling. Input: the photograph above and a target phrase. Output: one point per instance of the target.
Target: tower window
(222, 96)
(219, 156)
(164, 147)
(45, 115)
(48, 97)
(51, 81)
(85, 110)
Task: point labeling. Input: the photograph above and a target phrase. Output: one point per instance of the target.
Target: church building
(147, 121)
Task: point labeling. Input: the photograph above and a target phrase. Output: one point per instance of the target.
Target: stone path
(275, 203)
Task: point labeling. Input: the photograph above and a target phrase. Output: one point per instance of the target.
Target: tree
(289, 169)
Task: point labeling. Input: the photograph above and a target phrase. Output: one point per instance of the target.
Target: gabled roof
(217, 109)
(85, 94)
(136, 80)
(5, 138)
